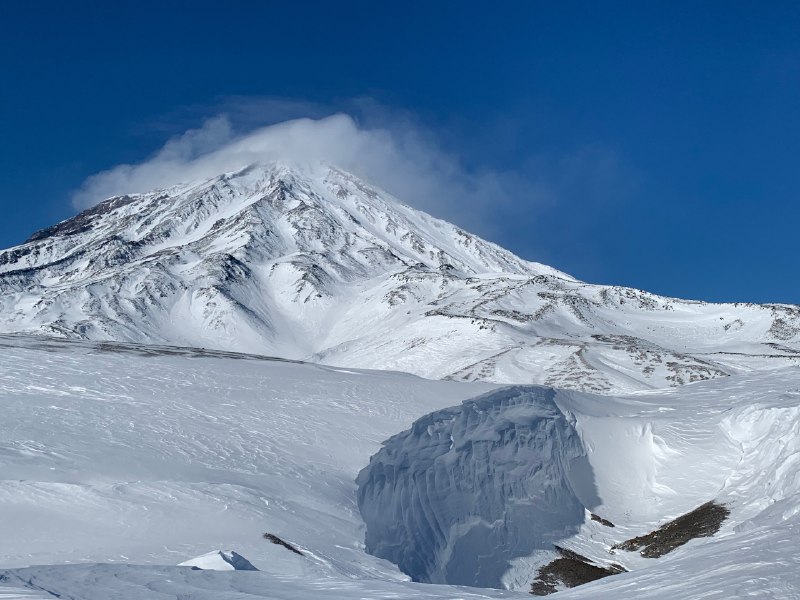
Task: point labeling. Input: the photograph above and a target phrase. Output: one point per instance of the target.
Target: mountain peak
(313, 262)
(310, 207)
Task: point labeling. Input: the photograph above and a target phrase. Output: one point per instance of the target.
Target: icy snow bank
(220, 560)
(766, 485)
(468, 489)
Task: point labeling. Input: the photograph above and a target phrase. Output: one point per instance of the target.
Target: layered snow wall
(468, 489)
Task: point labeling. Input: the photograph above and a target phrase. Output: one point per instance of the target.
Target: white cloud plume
(400, 157)
(393, 152)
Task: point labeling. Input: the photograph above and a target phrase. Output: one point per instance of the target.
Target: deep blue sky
(668, 133)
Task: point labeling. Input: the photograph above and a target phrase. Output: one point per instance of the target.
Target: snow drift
(466, 490)
(220, 560)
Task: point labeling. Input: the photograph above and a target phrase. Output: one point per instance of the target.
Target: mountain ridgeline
(313, 263)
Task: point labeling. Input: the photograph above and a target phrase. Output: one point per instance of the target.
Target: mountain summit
(311, 262)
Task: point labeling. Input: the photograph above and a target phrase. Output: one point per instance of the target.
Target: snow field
(140, 458)
(115, 457)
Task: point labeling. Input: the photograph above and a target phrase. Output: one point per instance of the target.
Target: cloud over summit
(392, 151)
(403, 159)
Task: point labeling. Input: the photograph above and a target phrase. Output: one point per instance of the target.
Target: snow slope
(310, 262)
(496, 482)
(120, 461)
(123, 454)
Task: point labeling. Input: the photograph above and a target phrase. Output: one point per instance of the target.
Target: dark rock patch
(270, 537)
(601, 520)
(82, 222)
(569, 570)
(703, 521)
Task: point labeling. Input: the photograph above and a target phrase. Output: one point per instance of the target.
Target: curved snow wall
(468, 489)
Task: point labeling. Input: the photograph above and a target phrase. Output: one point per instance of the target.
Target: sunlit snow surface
(139, 460)
(316, 264)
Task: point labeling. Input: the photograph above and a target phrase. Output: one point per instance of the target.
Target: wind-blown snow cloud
(401, 158)
(389, 149)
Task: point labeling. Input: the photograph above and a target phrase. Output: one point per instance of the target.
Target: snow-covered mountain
(310, 262)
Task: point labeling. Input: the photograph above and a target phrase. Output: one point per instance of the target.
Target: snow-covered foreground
(119, 457)
(140, 459)
(651, 457)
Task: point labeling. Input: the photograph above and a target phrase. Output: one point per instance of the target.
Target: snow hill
(118, 462)
(312, 263)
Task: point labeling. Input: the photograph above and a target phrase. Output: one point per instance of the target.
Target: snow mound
(468, 489)
(220, 560)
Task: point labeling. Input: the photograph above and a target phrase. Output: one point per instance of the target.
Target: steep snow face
(768, 434)
(466, 490)
(311, 262)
